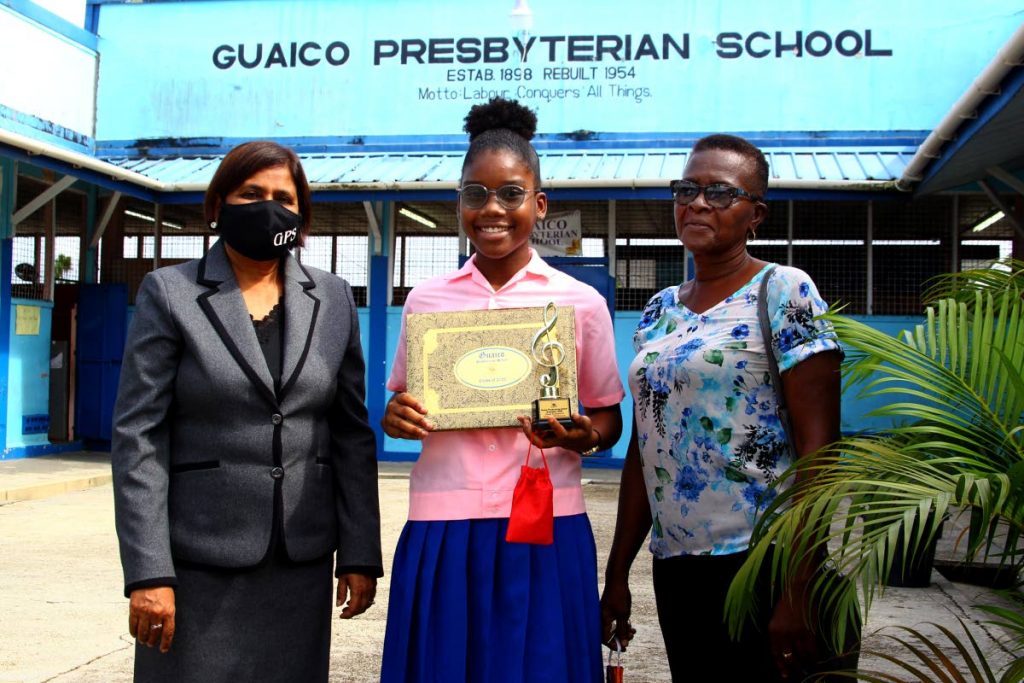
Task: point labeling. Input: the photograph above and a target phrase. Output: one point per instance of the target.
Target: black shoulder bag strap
(847, 657)
(773, 363)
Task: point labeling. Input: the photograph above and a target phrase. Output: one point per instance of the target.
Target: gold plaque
(476, 368)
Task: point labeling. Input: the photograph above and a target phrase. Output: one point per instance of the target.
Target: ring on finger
(154, 627)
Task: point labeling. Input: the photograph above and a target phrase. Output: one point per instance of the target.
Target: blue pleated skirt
(467, 606)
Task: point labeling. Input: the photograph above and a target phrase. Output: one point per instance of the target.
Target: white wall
(69, 10)
(48, 86)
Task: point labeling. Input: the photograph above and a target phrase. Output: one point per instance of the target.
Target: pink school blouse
(470, 474)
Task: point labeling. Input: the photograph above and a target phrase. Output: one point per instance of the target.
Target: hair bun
(501, 113)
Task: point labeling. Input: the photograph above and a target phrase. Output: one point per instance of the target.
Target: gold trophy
(549, 354)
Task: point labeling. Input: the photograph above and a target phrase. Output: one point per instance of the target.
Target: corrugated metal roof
(839, 168)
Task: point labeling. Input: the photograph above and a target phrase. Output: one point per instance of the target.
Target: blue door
(102, 328)
(593, 271)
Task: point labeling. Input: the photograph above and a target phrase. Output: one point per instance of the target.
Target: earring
(213, 225)
(753, 235)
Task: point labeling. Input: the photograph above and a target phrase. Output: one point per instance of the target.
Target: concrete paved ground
(63, 618)
(34, 478)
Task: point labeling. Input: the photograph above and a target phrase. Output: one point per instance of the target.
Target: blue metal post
(92, 18)
(87, 268)
(376, 354)
(7, 202)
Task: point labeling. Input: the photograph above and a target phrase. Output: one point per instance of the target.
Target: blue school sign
(348, 70)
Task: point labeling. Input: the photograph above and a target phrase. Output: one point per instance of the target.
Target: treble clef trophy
(549, 354)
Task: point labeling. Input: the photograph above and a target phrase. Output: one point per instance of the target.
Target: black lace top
(269, 333)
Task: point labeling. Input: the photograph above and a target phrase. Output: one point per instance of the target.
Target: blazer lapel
(301, 307)
(224, 306)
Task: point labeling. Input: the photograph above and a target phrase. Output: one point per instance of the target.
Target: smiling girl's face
(501, 236)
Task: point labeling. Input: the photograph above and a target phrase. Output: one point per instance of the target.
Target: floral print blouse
(710, 440)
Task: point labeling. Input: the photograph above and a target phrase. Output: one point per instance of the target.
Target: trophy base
(558, 408)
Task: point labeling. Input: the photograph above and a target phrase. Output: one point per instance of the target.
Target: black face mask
(262, 231)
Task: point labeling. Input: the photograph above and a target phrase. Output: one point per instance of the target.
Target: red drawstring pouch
(533, 508)
(613, 673)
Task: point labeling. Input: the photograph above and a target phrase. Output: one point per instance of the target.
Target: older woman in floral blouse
(707, 443)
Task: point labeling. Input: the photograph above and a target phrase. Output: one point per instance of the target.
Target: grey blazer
(201, 438)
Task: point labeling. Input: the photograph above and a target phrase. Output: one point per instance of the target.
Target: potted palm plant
(61, 266)
(955, 386)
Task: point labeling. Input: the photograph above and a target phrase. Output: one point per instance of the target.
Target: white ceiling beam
(374, 221)
(43, 197)
(102, 227)
(1000, 173)
(1002, 206)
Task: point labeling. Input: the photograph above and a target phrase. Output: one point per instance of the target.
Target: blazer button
(277, 472)
(276, 418)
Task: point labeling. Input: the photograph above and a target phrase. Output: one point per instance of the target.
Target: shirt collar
(535, 267)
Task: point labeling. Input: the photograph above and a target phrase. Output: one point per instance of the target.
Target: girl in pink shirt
(465, 605)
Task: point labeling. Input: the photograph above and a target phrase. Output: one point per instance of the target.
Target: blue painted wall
(30, 359)
(29, 376)
(854, 410)
(914, 58)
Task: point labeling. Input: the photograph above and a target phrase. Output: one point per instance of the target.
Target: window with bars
(643, 267)
(174, 247)
(352, 259)
(47, 242)
(28, 256)
(130, 247)
(421, 257)
(976, 253)
(638, 273)
(318, 251)
(895, 244)
(66, 263)
(911, 243)
(343, 255)
(594, 247)
(873, 258)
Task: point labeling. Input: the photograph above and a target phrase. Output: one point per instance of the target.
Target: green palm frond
(955, 387)
(925, 659)
(959, 372)
(1015, 672)
(1009, 617)
(1006, 275)
(858, 502)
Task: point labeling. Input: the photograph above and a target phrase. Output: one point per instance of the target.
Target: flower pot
(990, 575)
(995, 565)
(915, 571)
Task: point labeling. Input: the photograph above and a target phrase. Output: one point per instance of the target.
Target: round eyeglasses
(510, 197)
(717, 195)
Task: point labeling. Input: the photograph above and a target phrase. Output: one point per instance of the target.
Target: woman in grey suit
(242, 455)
